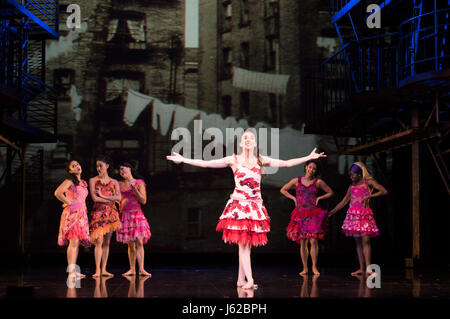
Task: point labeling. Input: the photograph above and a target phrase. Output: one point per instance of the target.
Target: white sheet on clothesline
(259, 81)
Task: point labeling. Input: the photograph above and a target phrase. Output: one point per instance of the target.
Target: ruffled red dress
(245, 219)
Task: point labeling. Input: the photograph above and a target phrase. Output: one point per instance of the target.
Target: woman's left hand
(315, 155)
(366, 201)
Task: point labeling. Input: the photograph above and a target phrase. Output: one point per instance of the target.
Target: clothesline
(181, 116)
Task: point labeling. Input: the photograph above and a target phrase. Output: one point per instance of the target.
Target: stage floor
(220, 282)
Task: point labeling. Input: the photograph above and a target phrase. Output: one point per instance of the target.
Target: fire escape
(388, 88)
(27, 103)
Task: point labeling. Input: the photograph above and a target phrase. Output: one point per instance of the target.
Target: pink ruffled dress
(74, 220)
(359, 220)
(134, 225)
(307, 220)
(245, 219)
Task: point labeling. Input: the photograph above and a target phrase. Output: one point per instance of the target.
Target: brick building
(272, 36)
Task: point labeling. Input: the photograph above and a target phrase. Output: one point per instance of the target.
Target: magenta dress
(307, 220)
(74, 220)
(134, 225)
(359, 220)
(245, 219)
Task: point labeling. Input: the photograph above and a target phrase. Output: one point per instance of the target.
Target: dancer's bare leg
(131, 259)
(72, 255)
(367, 250)
(140, 252)
(246, 264)
(359, 251)
(304, 256)
(98, 252)
(314, 255)
(105, 248)
(241, 275)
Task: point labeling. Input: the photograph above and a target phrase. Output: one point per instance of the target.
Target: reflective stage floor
(220, 282)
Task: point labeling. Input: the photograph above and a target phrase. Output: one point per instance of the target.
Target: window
(63, 80)
(245, 16)
(127, 28)
(118, 87)
(273, 108)
(271, 52)
(194, 222)
(123, 149)
(245, 55)
(245, 104)
(271, 8)
(121, 144)
(226, 106)
(227, 56)
(271, 18)
(227, 16)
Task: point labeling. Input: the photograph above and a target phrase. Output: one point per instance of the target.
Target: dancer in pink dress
(105, 192)
(74, 225)
(245, 220)
(134, 229)
(307, 219)
(359, 222)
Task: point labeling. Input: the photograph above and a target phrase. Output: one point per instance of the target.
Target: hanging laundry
(75, 102)
(230, 122)
(136, 29)
(112, 29)
(165, 112)
(184, 116)
(258, 81)
(136, 103)
(243, 124)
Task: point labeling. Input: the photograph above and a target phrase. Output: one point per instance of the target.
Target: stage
(220, 283)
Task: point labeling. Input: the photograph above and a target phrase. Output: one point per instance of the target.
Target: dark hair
(71, 176)
(107, 160)
(132, 167)
(258, 157)
(317, 166)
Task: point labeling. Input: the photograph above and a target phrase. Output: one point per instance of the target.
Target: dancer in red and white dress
(245, 220)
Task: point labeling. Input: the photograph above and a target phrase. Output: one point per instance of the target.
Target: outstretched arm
(343, 202)
(285, 190)
(217, 163)
(272, 162)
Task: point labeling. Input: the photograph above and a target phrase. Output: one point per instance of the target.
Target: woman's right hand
(175, 157)
(68, 203)
(295, 201)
